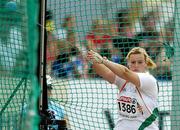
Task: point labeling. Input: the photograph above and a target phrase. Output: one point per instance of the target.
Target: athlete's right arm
(109, 69)
(104, 72)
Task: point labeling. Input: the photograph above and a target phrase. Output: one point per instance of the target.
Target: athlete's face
(137, 63)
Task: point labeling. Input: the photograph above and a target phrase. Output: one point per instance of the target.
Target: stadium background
(85, 99)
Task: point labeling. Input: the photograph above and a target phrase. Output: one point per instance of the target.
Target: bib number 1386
(125, 107)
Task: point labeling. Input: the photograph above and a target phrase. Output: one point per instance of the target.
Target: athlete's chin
(135, 70)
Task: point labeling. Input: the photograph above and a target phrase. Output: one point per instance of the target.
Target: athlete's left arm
(123, 72)
(118, 69)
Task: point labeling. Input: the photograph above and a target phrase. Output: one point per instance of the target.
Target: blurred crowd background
(110, 28)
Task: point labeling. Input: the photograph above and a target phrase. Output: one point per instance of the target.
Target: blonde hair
(138, 50)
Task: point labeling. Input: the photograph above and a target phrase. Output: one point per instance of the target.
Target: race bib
(128, 107)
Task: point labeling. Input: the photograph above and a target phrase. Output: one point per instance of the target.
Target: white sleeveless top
(134, 110)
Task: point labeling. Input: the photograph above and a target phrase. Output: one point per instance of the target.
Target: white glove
(94, 57)
(97, 58)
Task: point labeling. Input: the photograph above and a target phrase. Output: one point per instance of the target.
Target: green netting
(18, 81)
(78, 94)
(115, 26)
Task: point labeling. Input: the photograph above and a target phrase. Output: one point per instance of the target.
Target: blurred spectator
(99, 39)
(11, 42)
(168, 32)
(77, 50)
(51, 44)
(149, 21)
(68, 66)
(124, 24)
(70, 61)
(152, 32)
(151, 41)
(124, 41)
(154, 45)
(124, 44)
(156, 14)
(58, 48)
(160, 18)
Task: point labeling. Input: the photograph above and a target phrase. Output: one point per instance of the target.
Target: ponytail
(150, 63)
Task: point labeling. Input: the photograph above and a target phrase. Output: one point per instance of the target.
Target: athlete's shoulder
(147, 75)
